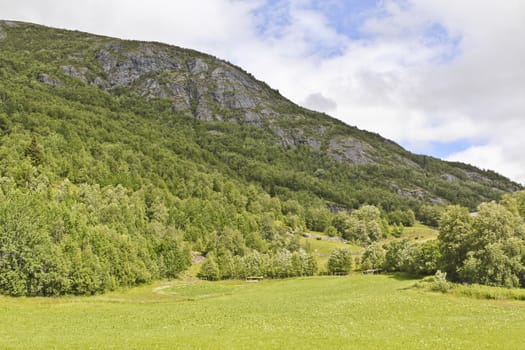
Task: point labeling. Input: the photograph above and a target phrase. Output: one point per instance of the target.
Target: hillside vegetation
(119, 158)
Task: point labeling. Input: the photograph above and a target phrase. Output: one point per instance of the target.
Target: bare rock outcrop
(76, 72)
(46, 79)
(351, 149)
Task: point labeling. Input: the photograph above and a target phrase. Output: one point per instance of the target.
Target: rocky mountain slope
(213, 91)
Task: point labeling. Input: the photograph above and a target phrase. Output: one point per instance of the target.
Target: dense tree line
(275, 264)
(82, 240)
(488, 247)
(485, 247)
(403, 255)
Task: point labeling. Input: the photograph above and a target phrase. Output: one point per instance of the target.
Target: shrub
(340, 261)
(440, 283)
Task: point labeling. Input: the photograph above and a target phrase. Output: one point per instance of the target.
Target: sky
(444, 78)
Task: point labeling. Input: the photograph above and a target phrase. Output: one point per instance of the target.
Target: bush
(440, 283)
(424, 258)
(398, 256)
(401, 217)
(209, 269)
(340, 261)
(373, 257)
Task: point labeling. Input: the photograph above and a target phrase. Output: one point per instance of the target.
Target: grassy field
(322, 247)
(353, 312)
(420, 232)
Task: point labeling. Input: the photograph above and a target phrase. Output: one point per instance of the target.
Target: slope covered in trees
(484, 247)
(487, 248)
(118, 158)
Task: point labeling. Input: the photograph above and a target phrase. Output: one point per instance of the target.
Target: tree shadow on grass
(402, 276)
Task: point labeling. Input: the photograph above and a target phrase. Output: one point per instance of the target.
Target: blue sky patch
(440, 149)
(347, 17)
(272, 18)
(437, 35)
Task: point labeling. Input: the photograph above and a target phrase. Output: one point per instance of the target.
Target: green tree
(341, 222)
(34, 152)
(425, 258)
(430, 214)
(317, 219)
(515, 202)
(5, 127)
(454, 239)
(373, 257)
(364, 225)
(493, 223)
(173, 259)
(226, 265)
(402, 217)
(209, 269)
(340, 261)
(496, 245)
(399, 255)
(282, 264)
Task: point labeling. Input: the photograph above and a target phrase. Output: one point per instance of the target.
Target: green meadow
(352, 312)
(322, 247)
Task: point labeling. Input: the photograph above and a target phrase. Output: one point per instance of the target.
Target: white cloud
(426, 70)
(491, 156)
(319, 103)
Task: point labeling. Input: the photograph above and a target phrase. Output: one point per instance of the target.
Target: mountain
(137, 152)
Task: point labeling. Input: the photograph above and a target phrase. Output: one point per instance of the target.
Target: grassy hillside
(358, 312)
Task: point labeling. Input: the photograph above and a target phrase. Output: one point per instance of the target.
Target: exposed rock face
(438, 201)
(406, 161)
(253, 118)
(198, 66)
(295, 137)
(232, 89)
(350, 149)
(77, 73)
(415, 193)
(449, 177)
(46, 79)
(198, 85)
(76, 57)
(477, 177)
(123, 66)
(286, 139)
(3, 24)
(314, 143)
(334, 208)
(209, 89)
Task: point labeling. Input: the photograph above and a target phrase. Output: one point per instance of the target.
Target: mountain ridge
(213, 90)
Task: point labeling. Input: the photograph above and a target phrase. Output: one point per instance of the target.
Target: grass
(476, 291)
(420, 232)
(358, 312)
(321, 247)
(484, 292)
